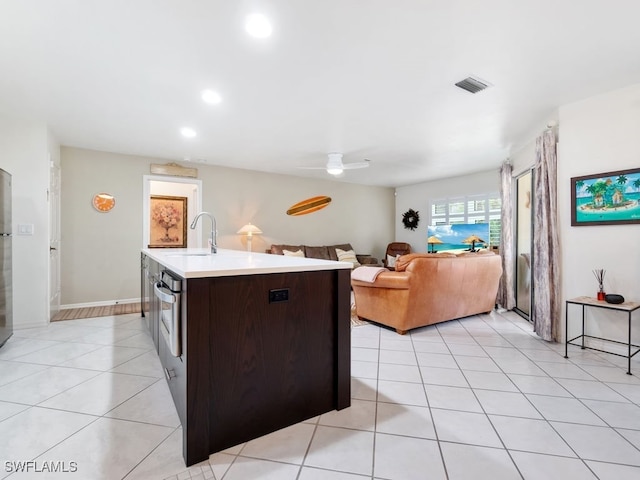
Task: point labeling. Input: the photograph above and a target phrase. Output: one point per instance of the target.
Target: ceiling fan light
(334, 170)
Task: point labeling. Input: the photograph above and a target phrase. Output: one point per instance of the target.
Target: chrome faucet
(214, 246)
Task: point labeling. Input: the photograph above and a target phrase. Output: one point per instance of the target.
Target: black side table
(585, 302)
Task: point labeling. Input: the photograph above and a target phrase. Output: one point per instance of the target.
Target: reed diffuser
(599, 274)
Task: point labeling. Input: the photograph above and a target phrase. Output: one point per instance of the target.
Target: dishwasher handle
(163, 294)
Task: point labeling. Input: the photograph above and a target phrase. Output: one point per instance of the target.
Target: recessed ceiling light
(211, 97)
(257, 25)
(188, 132)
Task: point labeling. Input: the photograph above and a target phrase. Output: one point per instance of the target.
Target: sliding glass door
(524, 238)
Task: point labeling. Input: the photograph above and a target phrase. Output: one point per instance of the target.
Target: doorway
(54, 238)
(190, 188)
(524, 242)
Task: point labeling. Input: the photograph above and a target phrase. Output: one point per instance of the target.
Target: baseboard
(23, 325)
(105, 303)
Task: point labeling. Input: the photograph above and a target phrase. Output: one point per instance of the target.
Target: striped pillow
(347, 256)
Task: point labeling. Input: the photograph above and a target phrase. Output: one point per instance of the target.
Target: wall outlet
(279, 295)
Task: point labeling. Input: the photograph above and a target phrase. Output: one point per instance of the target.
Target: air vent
(472, 85)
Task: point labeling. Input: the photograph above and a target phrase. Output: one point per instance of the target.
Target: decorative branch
(599, 274)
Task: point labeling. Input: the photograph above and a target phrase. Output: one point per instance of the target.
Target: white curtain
(506, 296)
(546, 308)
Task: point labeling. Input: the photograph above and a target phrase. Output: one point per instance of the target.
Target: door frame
(519, 311)
(165, 185)
(53, 197)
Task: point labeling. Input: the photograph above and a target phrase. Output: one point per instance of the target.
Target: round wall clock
(103, 202)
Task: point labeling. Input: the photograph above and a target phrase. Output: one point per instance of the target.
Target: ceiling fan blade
(351, 166)
(335, 166)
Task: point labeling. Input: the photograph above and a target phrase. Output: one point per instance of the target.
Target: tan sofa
(323, 252)
(429, 288)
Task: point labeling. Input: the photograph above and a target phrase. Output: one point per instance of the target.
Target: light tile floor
(479, 398)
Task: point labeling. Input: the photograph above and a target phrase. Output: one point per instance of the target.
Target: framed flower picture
(168, 222)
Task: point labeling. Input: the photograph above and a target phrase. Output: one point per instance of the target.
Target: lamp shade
(249, 229)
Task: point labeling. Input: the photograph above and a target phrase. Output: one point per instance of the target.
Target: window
(483, 208)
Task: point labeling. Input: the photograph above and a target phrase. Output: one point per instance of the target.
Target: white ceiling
(369, 78)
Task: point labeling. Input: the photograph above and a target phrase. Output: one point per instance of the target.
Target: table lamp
(249, 230)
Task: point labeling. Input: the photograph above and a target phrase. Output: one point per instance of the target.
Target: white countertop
(199, 263)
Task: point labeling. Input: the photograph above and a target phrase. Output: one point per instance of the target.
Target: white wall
(524, 159)
(418, 197)
(100, 252)
(598, 135)
(25, 149)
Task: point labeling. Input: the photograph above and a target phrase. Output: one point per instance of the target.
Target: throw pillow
(347, 256)
(297, 253)
(391, 260)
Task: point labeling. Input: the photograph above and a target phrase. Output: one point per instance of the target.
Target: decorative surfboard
(309, 205)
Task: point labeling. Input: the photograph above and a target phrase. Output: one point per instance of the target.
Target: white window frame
(465, 216)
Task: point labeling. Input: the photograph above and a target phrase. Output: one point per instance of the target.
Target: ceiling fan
(335, 166)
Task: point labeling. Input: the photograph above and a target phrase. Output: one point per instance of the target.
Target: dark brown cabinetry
(259, 353)
(150, 272)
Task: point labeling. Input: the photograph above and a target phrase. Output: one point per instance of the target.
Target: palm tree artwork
(608, 197)
(607, 194)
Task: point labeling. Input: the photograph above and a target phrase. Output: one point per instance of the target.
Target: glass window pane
(472, 209)
(476, 206)
(495, 231)
(456, 208)
(438, 209)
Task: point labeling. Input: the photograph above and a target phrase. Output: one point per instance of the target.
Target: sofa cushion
(289, 253)
(317, 252)
(277, 249)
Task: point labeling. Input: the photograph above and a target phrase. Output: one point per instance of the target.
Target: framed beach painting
(167, 218)
(606, 198)
(457, 238)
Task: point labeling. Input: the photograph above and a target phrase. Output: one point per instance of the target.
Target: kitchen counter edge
(199, 263)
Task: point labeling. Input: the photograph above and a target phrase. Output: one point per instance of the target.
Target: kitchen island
(264, 342)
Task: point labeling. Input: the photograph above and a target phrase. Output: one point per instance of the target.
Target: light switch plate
(25, 229)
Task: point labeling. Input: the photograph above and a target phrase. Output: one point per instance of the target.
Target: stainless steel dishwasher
(168, 291)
